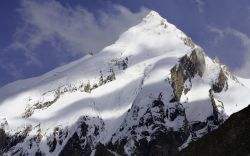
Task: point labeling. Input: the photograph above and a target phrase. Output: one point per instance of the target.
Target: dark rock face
(187, 68)
(3, 139)
(39, 153)
(232, 138)
(221, 82)
(217, 118)
(156, 138)
(102, 150)
(164, 143)
(83, 141)
(73, 147)
(178, 80)
(57, 138)
(7, 141)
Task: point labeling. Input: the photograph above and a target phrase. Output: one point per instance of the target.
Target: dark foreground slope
(231, 139)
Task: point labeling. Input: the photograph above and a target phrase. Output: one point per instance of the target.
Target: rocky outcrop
(84, 87)
(121, 63)
(188, 67)
(188, 41)
(226, 70)
(220, 83)
(41, 105)
(84, 140)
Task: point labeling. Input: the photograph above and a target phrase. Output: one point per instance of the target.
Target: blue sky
(37, 36)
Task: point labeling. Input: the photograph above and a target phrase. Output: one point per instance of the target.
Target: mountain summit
(152, 92)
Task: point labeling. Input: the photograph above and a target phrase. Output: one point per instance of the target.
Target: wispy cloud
(216, 30)
(245, 42)
(199, 4)
(63, 32)
(71, 30)
(11, 69)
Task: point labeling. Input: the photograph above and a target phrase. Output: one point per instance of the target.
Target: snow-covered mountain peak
(153, 16)
(152, 29)
(152, 83)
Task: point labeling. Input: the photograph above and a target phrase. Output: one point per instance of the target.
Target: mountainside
(152, 92)
(231, 138)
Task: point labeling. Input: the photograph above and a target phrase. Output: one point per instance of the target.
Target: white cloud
(72, 30)
(243, 71)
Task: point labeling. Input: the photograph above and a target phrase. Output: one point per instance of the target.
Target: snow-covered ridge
(152, 79)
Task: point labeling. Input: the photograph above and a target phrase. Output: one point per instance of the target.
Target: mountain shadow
(231, 139)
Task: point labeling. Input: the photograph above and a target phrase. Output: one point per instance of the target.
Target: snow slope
(106, 87)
